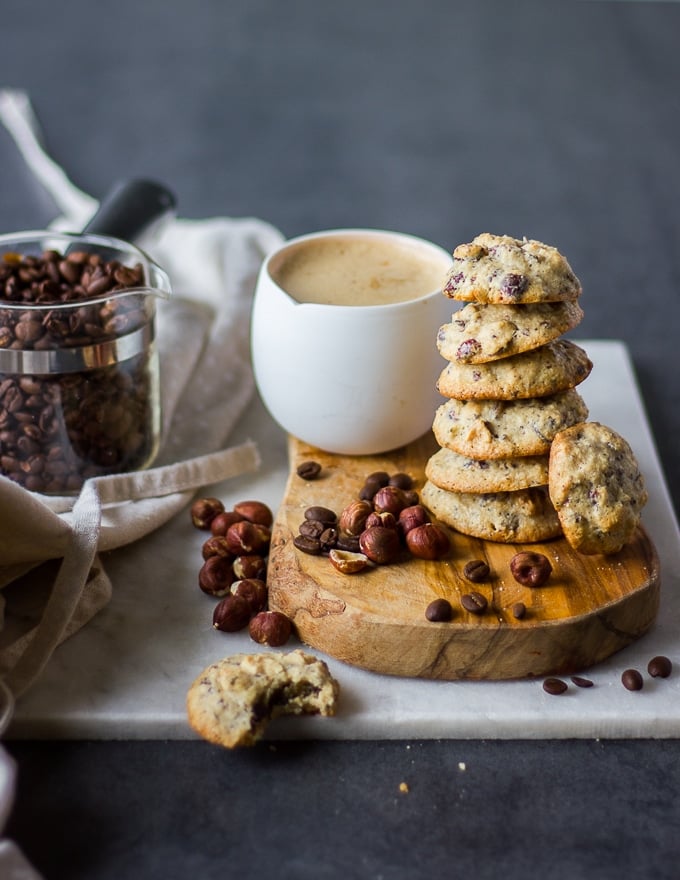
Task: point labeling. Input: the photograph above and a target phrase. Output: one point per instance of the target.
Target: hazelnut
(216, 575)
(389, 499)
(388, 520)
(412, 516)
(216, 545)
(348, 562)
(352, 520)
(246, 538)
(220, 525)
(270, 628)
(255, 512)
(380, 544)
(231, 614)
(254, 591)
(204, 511)
(530, 569)
(428, 541)
(250, 567)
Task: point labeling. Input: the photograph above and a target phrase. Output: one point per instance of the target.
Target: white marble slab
(126, 674)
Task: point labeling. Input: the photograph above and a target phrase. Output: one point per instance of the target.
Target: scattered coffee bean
(475, 603)
(581, 682)
(401, 481)
(311, 528)
(476, 570)
(632, 680)
(659, 667)
(309, 470)
(322, 514)
(519, 610)
(312, 546)
(555, 686)
(328, 539)
(349, 543)
(439, 610)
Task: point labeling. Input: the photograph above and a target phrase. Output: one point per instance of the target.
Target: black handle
(130, 208)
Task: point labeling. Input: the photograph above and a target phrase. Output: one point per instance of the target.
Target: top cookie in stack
(511, 388)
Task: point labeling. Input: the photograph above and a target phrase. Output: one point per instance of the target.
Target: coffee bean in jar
(79, 385)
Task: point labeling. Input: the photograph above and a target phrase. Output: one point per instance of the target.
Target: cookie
(506, 428)
(596, 487)
(456, 473)
(501, 269)
(524, 517)
(552, 368)
(479, 333)
(232, 701)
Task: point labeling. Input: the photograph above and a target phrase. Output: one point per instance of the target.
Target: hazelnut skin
(204, 511)
(245, 538)
(380, 544)
(216, 576)
(255, 512)
(231, 614)
(428, 541)
(270, 628)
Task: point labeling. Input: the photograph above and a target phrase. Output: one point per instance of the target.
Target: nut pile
(234, 568)
(56, 430)
(384, 524)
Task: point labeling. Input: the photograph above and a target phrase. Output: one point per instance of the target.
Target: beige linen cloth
(206, 381)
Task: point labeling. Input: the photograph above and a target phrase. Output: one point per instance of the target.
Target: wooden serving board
(591, 607)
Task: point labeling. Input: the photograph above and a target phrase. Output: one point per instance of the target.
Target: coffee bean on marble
(659, 667)
(581, 682)
(555, 686)
(632, 680)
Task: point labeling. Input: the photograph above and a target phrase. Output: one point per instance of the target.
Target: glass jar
(79, 383)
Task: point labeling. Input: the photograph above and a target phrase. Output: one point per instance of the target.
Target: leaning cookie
(501, 269)
(479, 332)
(552, 368)
(506, 428)
(457, 473)
(232, 701)
(525, 516)
(596, 487)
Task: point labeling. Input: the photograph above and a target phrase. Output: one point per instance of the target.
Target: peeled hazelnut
(353, 518)
(270, 628)
(216, 545)
(348, 562)
(255, 512)
(220, 525)
(231, 614)
(428, 541)
(216, 575)
(246, 538)
(380, 544)
(530, 569)
(254, 591)
(204, 511)
(389, 499)
(250, 567)
(412, 516)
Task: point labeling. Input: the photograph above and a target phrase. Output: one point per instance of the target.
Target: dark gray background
(554, 120)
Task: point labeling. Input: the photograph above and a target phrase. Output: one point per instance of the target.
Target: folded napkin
(206, 383)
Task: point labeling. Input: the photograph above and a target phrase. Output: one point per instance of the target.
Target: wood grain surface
(591, 607)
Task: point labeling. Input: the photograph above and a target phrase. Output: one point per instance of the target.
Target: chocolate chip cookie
(482, 332)
(502, 269)
(506, 428)
(232, 701)
(547, 370)
(525, 516)
(596, 487)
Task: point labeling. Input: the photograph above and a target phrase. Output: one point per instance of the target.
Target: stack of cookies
(510, 385)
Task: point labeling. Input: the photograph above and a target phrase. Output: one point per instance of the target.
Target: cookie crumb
(403, 787)
(462, 766)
